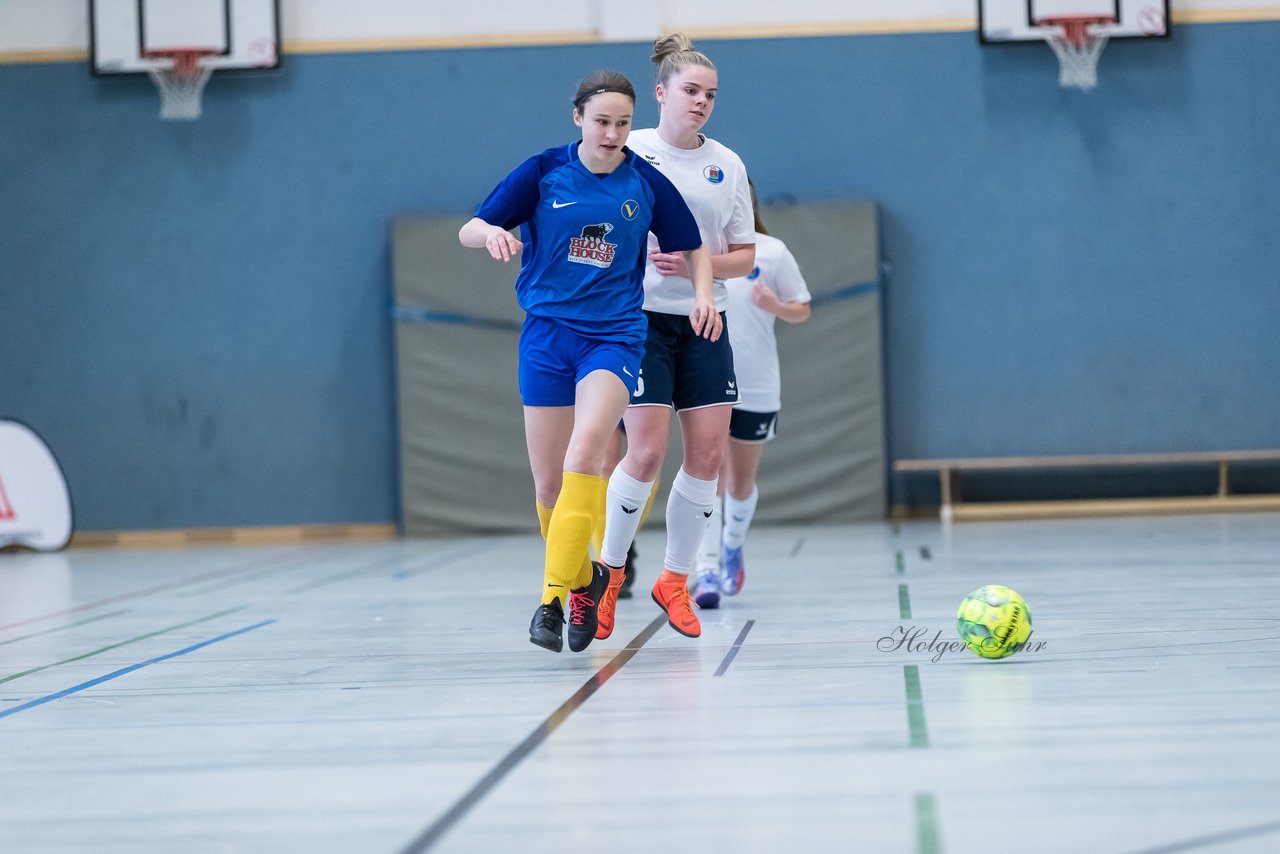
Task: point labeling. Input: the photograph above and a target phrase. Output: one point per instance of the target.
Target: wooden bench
(1221, 502)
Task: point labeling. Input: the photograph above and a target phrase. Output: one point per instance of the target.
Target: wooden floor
(383, 697)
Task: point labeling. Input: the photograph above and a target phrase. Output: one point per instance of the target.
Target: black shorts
(753, 427)
(683, 370)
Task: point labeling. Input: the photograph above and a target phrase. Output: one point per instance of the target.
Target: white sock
(623, 505)
(737, 518)
(709, 551)
(689, 506)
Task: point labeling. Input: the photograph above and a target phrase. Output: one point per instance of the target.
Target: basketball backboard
(1004, 21)
(134, 36)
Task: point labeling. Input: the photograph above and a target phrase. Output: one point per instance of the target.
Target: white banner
(35, 507)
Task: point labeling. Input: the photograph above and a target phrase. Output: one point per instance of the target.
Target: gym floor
(384, 697)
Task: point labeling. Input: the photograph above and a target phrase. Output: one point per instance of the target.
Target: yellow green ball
(994, 621)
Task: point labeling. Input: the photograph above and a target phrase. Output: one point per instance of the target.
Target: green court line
(915, 707)
(897, 558)
(927, 837)
(904, 602)
(122, 643)
(67, 626)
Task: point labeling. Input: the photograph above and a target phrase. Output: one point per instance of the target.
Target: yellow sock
(568, 532)
(544, 518)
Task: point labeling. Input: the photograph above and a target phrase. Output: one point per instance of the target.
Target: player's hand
(669, 263)
(764, 298)
(502, 245)
(706, 320)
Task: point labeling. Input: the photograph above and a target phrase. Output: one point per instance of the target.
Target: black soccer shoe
(629, 568)
(547, 625)
(583, 605)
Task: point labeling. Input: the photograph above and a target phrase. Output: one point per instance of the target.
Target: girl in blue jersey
(585, 210)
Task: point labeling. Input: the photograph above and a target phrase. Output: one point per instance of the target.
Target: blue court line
(49, 698)
(847, 292)
(414, 314)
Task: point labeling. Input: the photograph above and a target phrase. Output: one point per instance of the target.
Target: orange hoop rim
(1075, 27)
(186, 60)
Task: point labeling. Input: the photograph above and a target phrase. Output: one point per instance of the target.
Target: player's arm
(704, 317)
(764, 298)
(788, 298)
(738, 261)
(502, 244)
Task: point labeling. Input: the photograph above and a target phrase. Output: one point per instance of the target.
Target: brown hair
(598, 82)
(674, 52)
(755, 208)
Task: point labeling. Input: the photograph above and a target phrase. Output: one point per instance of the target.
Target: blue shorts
(553, 358)
(753, 427)
(683, 370)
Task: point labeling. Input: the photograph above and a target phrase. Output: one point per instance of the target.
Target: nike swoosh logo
(559, 205)
(625, 371)
(629, 510)
(561, 586)
(708, 514)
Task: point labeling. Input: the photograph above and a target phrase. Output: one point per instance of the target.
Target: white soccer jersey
(713, 182)
(755, 349)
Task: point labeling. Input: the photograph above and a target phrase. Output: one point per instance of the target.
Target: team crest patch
(630, 209)
(591, 248)
(754, 274)
(714, 174)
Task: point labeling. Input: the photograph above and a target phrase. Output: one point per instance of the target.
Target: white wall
(58, 29)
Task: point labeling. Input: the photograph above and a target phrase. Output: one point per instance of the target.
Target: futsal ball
(993, 621)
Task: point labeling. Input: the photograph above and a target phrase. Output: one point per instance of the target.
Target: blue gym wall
(194, 315)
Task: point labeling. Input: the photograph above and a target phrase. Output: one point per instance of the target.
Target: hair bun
(674, 43)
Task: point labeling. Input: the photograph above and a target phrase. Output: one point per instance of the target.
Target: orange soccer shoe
(671, 592)
(609, 602)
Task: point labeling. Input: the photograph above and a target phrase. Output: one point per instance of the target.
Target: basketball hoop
(181, 83)
(1077, 46)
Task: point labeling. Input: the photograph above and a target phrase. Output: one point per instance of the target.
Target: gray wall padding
(463, 463)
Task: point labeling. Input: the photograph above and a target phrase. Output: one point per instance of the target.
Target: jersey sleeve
(787, 280)
(515, 198)
(741, 227)
(672, 222)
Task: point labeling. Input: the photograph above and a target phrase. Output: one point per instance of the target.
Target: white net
(181, 86)
(1077, 47)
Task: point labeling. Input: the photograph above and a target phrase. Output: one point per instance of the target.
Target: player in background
(774, 290)
(586, 210)
(682, 370)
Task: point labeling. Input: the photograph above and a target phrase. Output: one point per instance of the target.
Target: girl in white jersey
(774, 289)
(680, 371)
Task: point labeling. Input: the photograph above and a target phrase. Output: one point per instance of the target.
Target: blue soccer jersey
(585, 237)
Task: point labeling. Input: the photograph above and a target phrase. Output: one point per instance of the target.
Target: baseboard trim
(254, 536)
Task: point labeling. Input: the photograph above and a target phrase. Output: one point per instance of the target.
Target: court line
(795, 550)
(904, 602)
(928, 839)
(541, 733)
(733, 650)
(251, 566)
(899, 567)
(66, 626)
(1214, 839)
(915, 707)
(204, 619)
(115, 674)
